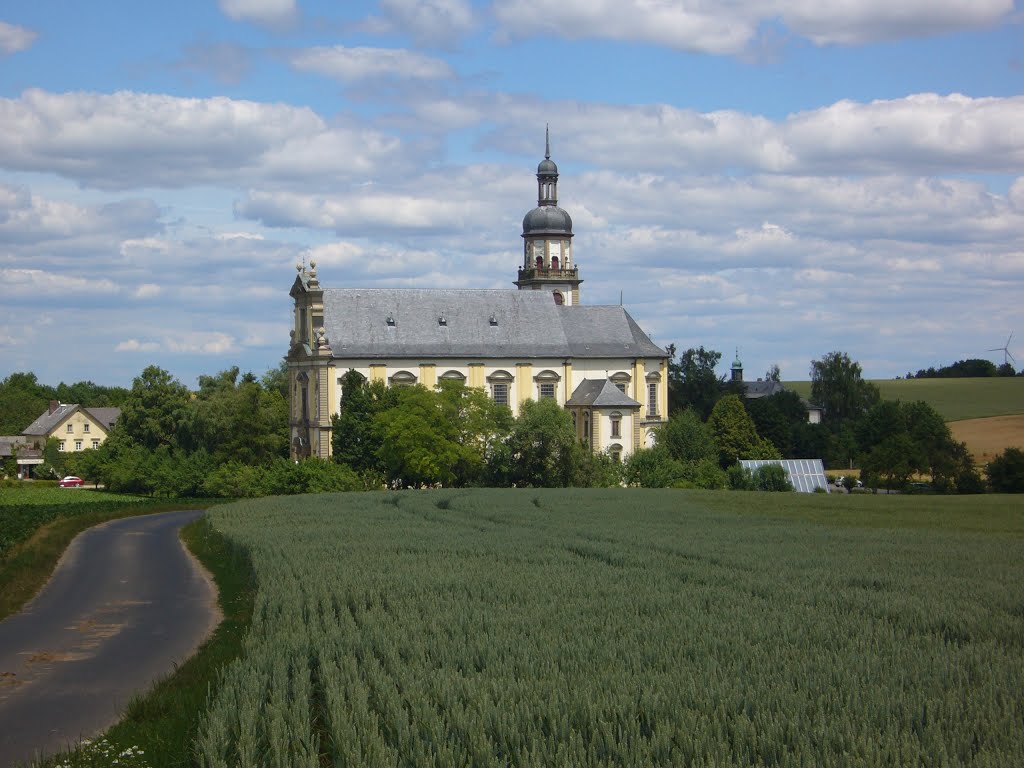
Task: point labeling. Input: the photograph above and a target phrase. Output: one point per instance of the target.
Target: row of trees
(23, 399)
(971, 368)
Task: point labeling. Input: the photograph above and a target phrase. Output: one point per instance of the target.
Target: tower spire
(547, 141)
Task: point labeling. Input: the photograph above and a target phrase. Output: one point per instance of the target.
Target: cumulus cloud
(353, 64)
(135, 345)
(920, 133)
(730, 27)
(29, 218)
(201, 343)
(148, 291)
(126, 139)
(266, 12)
(18, 283)
(14, 38)
(439, 23)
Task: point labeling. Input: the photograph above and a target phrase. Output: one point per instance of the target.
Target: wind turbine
(1005, 349)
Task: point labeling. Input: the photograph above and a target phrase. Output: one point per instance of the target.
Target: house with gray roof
(75, 427)
(531, 342)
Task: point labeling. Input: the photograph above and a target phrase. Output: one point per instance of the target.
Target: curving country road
(125, 604)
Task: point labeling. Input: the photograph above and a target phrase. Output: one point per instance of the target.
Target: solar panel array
(804, 474)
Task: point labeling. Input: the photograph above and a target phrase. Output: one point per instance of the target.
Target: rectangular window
(652, 398)
(616, 426)
(95, 443)
(500, 393)
(71, 428)
(78, 445)
(85, 427)
(546, 390)
(60, 446)
(621, 385)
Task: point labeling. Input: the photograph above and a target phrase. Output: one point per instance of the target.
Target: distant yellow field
(987, 437)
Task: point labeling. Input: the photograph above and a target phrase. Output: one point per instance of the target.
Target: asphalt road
(125, 604)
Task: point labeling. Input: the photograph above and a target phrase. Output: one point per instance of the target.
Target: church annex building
(535, 341)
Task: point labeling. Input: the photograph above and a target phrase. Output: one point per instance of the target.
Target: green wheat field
(626, 628)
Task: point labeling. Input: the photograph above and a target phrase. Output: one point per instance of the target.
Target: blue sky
(785, 178)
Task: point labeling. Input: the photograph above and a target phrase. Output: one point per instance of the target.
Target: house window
(71, 428)
(78, 445)
(546, 390)
(616, 420)
(85, 427)
(95, 442)
(586, 427)
(453, 376)
(621, 381)
(652, 398)
(60, 446)
(499, 391)
(616, 452)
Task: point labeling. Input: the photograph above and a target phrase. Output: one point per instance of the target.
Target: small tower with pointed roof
(737, 368)
(548, 262)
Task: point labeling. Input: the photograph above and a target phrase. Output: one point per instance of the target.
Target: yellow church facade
(534, 342)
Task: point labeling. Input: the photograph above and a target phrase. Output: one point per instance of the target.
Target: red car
(72, 482)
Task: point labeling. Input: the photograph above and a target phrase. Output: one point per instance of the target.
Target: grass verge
(158, 728)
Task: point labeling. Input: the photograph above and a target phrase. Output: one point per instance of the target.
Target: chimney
(54, 405)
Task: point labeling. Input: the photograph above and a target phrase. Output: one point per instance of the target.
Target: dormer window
(493, 320)
(442, 320)
(390, 320)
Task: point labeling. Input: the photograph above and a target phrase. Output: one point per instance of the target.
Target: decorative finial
(547, 141)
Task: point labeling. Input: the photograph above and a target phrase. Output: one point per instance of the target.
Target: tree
(352, 439)
(652, 468)
(479, 425)
(837, 386)
(692, 381)
(1006, 471)
(734, 432)
(543, 447)
(894, 460)
(773, 373)
(415, 444)
(686, 437)
(156, 410)
(22, 400)
(237, 417)
(771, 477)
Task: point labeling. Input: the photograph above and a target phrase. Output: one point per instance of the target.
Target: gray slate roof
(756, 389)
(601, 393)
(45, 423)
(527, 324)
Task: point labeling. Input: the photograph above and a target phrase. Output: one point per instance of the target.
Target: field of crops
(614, 628)
(24, 508)
(955, 399)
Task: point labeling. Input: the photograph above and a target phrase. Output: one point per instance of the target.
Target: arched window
(540, 262)
(554, 262)
(559, 298)
(402, 379)
(501, 386)
(547, 384)
(621, 381)
(653, 380)
(586, 426)
(615, 450)
(453, 376)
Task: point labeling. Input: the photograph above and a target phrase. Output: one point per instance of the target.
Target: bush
(772, 477)
(1006, 471)
(740, 478)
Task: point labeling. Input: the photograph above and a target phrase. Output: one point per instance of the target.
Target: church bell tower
(548, 262)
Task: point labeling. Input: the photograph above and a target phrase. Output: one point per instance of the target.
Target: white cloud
(128, 140)
(134, 345)
(20, 283)
(200, 343)
(429, 22)
(148, 291)
(14, 38)
(353, 64)
(268, 12)
(730, 26)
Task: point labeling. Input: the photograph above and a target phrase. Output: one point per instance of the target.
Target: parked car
(72, 482)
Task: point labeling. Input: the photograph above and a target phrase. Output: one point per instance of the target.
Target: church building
(536, 341)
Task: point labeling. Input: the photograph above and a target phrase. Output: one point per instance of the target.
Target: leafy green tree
(414, 443)
(686, 437)
(740, 478)
(597, 469)
(1006, 471)
(237, 417)
(22, 400)
(543, 446)
(894, 460)
(479, 425)
(91, 395)
(734, 431)
(156, 411)
(692, 382)
(837, 386)
(353, 441)
(652, 468)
